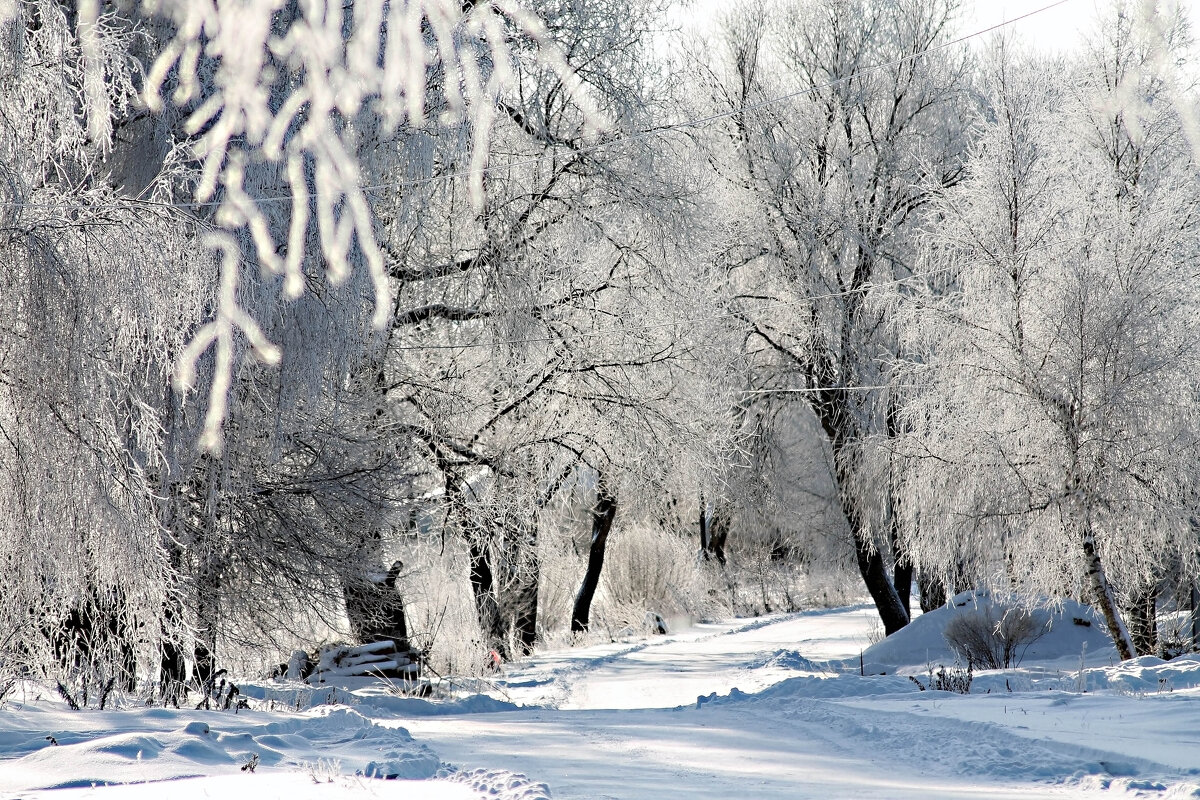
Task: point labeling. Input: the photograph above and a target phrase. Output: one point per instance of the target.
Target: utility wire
(644, 133)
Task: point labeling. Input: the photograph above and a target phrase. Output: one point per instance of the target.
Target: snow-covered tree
(549, 337)
(101, 293)
(842, 122)
(1052, 425)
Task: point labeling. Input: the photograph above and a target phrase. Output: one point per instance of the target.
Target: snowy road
(736, 710)
(616, 730)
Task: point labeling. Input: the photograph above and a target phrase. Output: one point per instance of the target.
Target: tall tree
(841, 124)
(1056, 374)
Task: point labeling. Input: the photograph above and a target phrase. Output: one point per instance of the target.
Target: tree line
(293, 290)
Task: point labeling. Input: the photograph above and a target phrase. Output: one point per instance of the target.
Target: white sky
(1054, 30)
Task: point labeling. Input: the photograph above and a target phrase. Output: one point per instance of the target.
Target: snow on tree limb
(271, 83)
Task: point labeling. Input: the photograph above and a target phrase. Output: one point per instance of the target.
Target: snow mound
(372, 696)
(791, 660)
(219, 744)
(419, 707)
(817, 686)
(1145, 674)
(501, 784)
(1069, 628)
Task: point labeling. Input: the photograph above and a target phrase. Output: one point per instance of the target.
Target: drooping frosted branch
(271, 82)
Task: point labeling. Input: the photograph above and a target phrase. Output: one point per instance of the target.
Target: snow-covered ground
(767, 708)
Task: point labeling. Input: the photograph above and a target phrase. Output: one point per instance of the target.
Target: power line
(697, 122)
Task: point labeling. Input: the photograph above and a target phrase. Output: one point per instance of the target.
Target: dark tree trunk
(208, 618)
(933, 591)
(504, 573)
(603, 514)
(1142, 614)
(870, 564)
(525, 591)
(718, 533)
(714, 531)
(375, 609)
(832, 407)
(95, 637)
(1194, 595)
(902, 572)
(172, 667)
(883, 593)
(483, 587)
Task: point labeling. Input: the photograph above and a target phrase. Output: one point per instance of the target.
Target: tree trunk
(832, 409)
(483, 587)
(902, 569)
(524, 590)
(883, 593)
(902, 572)
(208, 619)
(603, 514)
(1143, 621)
(1102, 594)
(375, 609)
(172, 667)
(1195, 609)
(933, 591)
(714, 531)
(870, 563)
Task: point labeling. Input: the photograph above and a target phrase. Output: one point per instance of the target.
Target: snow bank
(499, 784)
(1070, 627)
(418, 707)
(815, 686)
(1145, 675)
(210, 744)
(370, 695)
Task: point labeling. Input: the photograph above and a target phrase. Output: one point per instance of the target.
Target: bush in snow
(991, 637)
(953, 679)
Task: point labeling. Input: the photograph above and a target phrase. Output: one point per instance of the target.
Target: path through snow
(735, 710)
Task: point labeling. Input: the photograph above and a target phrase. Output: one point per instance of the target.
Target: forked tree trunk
(505, 573)
(1102, 594)
(603, 514)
